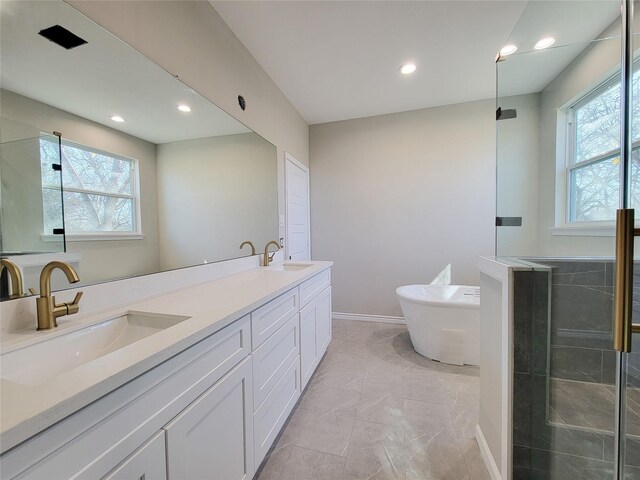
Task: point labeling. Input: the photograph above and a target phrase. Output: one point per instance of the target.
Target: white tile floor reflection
(375, 409)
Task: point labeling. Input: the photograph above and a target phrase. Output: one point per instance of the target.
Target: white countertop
(27, 410)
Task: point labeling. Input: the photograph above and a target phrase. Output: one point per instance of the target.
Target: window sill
(93, 237)
(584, 230)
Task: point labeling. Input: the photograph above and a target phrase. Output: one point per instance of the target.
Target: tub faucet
(17, 289)
(48, 310)
(267, 257)
(250, 243)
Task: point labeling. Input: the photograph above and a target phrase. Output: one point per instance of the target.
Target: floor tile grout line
(346, 451)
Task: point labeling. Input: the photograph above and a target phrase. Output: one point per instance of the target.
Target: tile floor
(375, 409)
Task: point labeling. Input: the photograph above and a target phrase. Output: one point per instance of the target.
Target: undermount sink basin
(41, 362)
(290, 267)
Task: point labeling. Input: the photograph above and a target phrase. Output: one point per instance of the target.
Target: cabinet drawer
(270, 417)
(314, 286)
(273, 357)
(149, 462)
(270, 317)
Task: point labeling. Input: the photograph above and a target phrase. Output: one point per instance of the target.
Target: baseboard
(367, 318)
(486, 455)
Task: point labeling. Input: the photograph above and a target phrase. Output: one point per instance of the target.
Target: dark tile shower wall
(581, 322)
(581, 313)
(562, 344)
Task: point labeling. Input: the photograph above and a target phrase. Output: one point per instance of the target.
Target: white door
(297, 209)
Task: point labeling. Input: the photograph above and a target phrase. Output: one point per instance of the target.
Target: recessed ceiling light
(508, 50)
(184, 108)
(117, 118)
(408, 68)
(545, 42)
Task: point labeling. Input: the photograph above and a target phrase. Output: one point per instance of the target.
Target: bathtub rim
(437, 303)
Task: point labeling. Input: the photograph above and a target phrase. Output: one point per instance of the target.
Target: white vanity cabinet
(285, 360)
(210, 411)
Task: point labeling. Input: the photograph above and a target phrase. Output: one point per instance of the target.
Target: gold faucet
(17, 289)
(267, 257)
(48, 310)
(250, 243)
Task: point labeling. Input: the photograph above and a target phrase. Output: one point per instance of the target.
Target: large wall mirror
(153, 176)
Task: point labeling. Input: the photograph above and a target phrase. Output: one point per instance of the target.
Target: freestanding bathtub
(443, 321)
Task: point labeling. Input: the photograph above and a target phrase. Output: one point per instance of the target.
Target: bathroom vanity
(204, 397)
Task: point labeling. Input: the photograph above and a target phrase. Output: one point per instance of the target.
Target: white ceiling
(102, 78)
(337, 60)
(574, 25)
(334, 60)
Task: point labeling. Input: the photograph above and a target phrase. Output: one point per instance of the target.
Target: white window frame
(134, 196)
(565, 156)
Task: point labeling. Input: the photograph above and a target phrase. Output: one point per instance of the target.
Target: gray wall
(396, 198)
(214, 193)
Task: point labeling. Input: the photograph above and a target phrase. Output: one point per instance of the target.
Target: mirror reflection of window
(99, 189)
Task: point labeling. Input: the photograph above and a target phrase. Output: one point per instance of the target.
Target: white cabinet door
(323, 322)
(147, 463)
(213, 437)
(315, 333)
(308, 348)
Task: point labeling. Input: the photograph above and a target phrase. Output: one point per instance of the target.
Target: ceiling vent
(62, 37)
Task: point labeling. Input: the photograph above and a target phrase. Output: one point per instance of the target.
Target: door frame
(288, 161)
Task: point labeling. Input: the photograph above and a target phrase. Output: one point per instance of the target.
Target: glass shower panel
(558, 153)
(31, 210)
(558, 187)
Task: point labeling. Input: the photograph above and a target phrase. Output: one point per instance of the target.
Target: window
(99, 191)
(593, 163)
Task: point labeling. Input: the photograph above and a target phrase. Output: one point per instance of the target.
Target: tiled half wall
(564, 364)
